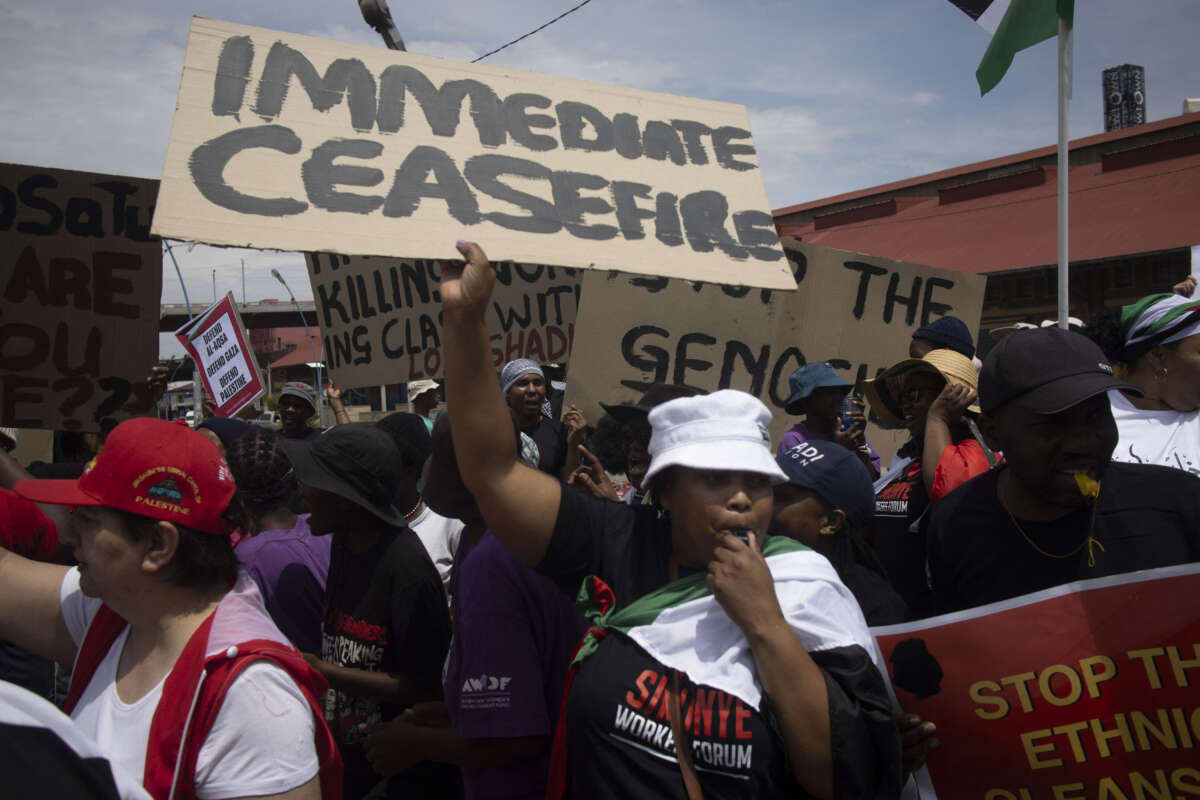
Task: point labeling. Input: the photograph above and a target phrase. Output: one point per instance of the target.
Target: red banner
(1089, 690)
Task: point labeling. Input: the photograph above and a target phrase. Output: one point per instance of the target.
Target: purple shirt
(514, 633)
(799, 434)
(290, 568)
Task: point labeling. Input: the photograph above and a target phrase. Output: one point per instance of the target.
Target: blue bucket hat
(807, 379)
(833, 472)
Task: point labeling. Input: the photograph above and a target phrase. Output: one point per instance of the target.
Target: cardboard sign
(1082, 691)
(856, 312)
(382, 317)
(297, 143)
(80, 286)
(216, 340)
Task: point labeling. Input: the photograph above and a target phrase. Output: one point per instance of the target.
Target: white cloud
(94, 94)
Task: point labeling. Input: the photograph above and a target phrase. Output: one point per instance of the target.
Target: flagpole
(1064, 94)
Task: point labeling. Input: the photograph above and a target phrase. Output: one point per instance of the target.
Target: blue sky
(842, 94)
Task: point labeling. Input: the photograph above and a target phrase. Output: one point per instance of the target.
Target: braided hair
(1104, 329)
(263, 474)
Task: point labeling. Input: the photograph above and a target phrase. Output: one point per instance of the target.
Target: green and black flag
(1014, 25)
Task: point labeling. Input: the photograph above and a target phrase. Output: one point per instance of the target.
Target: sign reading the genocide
(382, 317)
(1084, 691)
(216, 341)
(856, 312)
(297, 143)
(80, 286)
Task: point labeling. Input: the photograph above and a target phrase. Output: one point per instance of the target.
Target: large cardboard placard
(381, 318)
(856, 312)
(217, 342)
(1082, 691)
(80, 286)
(297, 143)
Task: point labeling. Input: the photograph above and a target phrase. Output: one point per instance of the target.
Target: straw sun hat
(883, 393)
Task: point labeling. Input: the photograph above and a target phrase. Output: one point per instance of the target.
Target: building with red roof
(1134, 216)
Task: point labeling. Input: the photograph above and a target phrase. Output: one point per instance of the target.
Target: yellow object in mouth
(1088, 486)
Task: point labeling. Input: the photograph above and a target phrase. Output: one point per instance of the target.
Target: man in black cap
(635, 433)
(1058, 510)
(386, 628)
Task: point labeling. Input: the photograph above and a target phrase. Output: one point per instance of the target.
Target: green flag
(1026, 23)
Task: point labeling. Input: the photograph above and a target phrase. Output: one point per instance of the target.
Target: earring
(1160, 374)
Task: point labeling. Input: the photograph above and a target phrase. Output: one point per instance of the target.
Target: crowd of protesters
(466, 604)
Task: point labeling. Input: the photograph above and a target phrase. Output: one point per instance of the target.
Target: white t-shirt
(1167, 438)
(440, 536)
(262, 741)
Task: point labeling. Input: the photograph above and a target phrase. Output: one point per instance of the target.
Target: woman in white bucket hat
(720, 664)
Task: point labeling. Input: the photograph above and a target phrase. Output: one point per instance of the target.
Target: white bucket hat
(724, 430)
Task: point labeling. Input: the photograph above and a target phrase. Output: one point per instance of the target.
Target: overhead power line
(532, 32)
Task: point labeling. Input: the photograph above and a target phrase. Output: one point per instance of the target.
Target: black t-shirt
(385, 611)
(900, 525)
(551, 439)
(1149, 516)
(880, 603)
(618, 730)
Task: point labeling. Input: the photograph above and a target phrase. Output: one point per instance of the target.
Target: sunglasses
(915, 394)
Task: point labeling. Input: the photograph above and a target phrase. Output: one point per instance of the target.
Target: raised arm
(519, 504)
(30, 610)
(945, 412)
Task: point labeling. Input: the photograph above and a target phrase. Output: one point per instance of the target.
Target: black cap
(356, 461)
(950, 332)
(835, 474)
(1046, 370)
(656, 395)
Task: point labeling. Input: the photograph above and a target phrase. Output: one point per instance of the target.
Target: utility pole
(197, 389)
(313, 343)
(379, 17)
(243, 281)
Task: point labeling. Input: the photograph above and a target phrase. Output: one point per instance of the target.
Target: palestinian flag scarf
(1156, 320)
(668, 622)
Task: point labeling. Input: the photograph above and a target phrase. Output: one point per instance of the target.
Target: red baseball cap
(163, 470)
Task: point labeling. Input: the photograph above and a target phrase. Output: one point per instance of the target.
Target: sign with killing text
(856, 312)
(381, 318)
(80, 286)
(297, 143)
(216, 340)
(1080, 692)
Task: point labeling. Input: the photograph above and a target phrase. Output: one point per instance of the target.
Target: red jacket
(238, 633)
